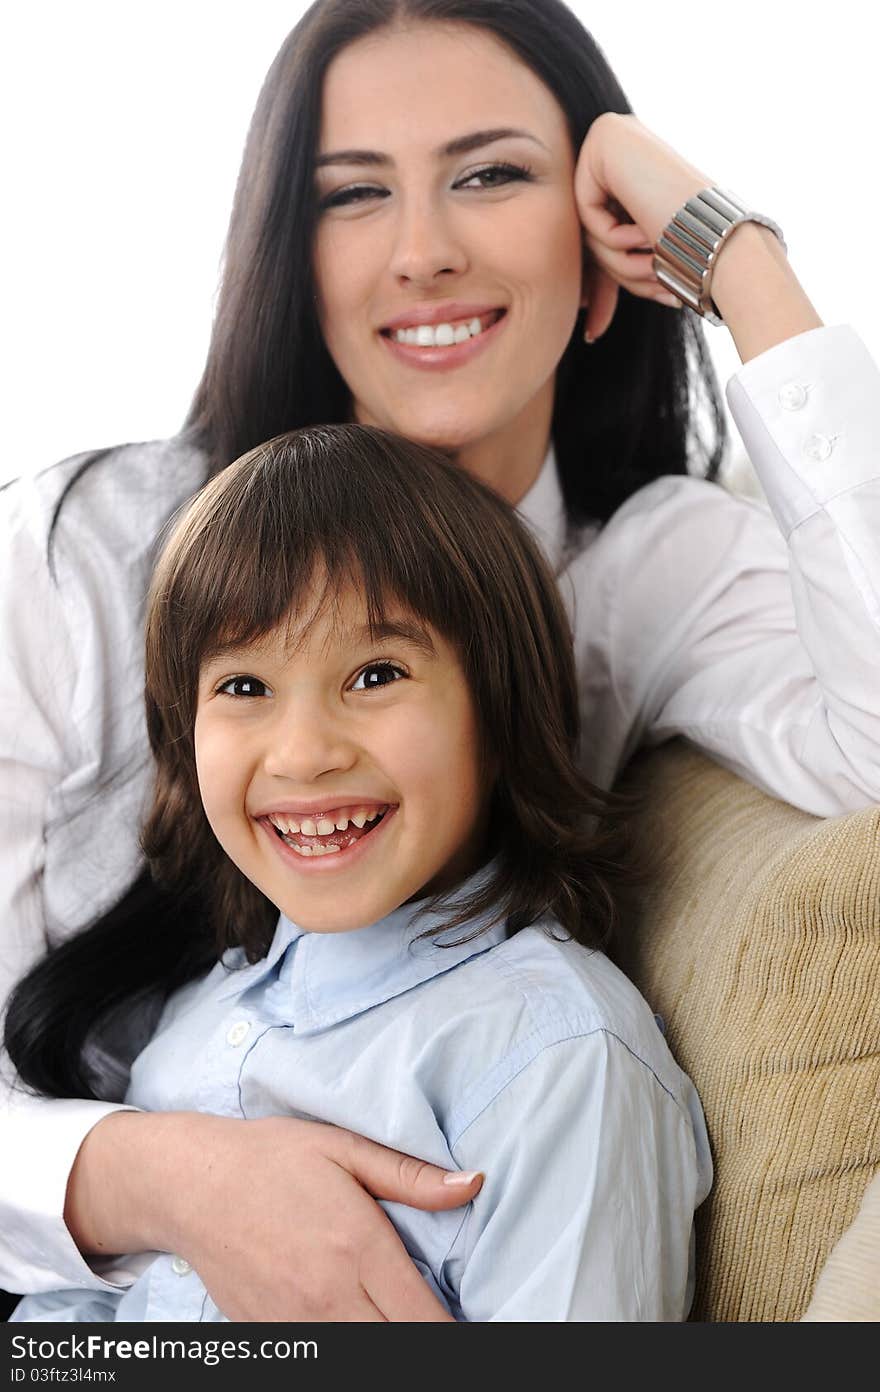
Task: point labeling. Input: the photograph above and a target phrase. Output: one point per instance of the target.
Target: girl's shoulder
(539, 989)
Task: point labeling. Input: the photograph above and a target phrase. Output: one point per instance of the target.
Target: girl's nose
(426, 245)
(304, 745)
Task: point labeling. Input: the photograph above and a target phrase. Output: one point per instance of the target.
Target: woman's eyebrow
(462, 145)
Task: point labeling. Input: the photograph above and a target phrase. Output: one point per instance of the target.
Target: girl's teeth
(324, 826)
(315, 850)
(439, 335)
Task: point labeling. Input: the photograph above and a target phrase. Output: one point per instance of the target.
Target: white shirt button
(818, 447)
(238, 1033)
(180, 1267)
(792, 396)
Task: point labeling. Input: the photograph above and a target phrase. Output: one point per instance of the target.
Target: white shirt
(538, 1062)
(694, 613)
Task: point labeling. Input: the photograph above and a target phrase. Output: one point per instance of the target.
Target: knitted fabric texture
(756, 938)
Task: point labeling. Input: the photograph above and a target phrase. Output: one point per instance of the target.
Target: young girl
(362, 705)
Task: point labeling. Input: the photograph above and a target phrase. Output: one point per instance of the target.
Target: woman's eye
(495, 176)
(352, 194)
(377, 674)
(244, 686)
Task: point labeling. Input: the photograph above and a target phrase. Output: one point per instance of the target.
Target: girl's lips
(443, 359)
(326, 864)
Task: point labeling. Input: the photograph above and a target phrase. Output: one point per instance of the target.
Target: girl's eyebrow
(462, 145)
(401, 630)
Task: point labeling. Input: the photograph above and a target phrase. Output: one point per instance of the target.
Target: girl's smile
(341, 772)
(314, 848)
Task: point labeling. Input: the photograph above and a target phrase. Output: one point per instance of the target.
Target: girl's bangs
(276, 539)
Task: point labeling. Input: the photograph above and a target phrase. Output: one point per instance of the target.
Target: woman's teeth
(442, 335)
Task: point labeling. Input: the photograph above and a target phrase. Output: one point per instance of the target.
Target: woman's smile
(443, 338)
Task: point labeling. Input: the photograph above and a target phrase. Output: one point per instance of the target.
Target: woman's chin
(447, 432)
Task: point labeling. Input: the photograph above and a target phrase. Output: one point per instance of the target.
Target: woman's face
(448, 220)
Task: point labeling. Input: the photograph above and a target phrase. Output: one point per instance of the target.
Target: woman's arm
(754, 287)
(299, 1238)
(768, 659)
(39, 744)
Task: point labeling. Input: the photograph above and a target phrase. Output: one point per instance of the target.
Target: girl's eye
(492, 176)
(244, 686)
(377, 674)
(351, 194)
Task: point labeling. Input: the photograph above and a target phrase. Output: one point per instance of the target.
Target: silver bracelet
(685, 255)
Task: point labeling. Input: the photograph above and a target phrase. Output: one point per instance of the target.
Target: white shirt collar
(542, 508)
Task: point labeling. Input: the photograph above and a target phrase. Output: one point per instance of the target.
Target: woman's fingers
(302, 1239)
(390, 1174)
(601, 292)
(396, 1286)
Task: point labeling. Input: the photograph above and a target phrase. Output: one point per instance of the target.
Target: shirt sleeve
(757, 636)
(592, 1174)
(39, 1138)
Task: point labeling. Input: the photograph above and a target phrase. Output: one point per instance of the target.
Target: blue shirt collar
(321, 979)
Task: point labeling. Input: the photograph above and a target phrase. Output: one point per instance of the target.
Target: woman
(516, 202)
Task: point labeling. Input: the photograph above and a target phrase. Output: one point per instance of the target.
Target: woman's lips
(443, 356)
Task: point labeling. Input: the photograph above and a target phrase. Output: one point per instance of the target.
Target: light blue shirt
(532, 1059)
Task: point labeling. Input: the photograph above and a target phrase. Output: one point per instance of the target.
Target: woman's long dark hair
(627, 409)
(354, 507)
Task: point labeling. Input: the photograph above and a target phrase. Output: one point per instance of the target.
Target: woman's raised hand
(628, 185)
(275, 1215)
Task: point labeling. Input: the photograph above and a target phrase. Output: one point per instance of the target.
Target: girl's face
(447, 218)
(341, 774)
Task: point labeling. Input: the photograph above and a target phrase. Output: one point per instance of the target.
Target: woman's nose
(304, 744)
(426, 245)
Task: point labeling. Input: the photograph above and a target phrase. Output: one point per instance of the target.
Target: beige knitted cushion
(848, 1287)
(758, 941)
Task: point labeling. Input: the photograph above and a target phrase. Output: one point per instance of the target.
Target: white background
(123, 127)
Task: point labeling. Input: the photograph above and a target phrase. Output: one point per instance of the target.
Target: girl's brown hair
(406, 527)
(409, 528)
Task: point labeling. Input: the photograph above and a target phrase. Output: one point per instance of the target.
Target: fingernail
(672, 300)
(460, 1179)
(589, 339)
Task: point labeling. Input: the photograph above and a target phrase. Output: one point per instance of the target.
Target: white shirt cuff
(808, 410)
(40, 1140)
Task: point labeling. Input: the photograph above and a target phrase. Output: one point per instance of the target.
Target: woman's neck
(510, 459)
